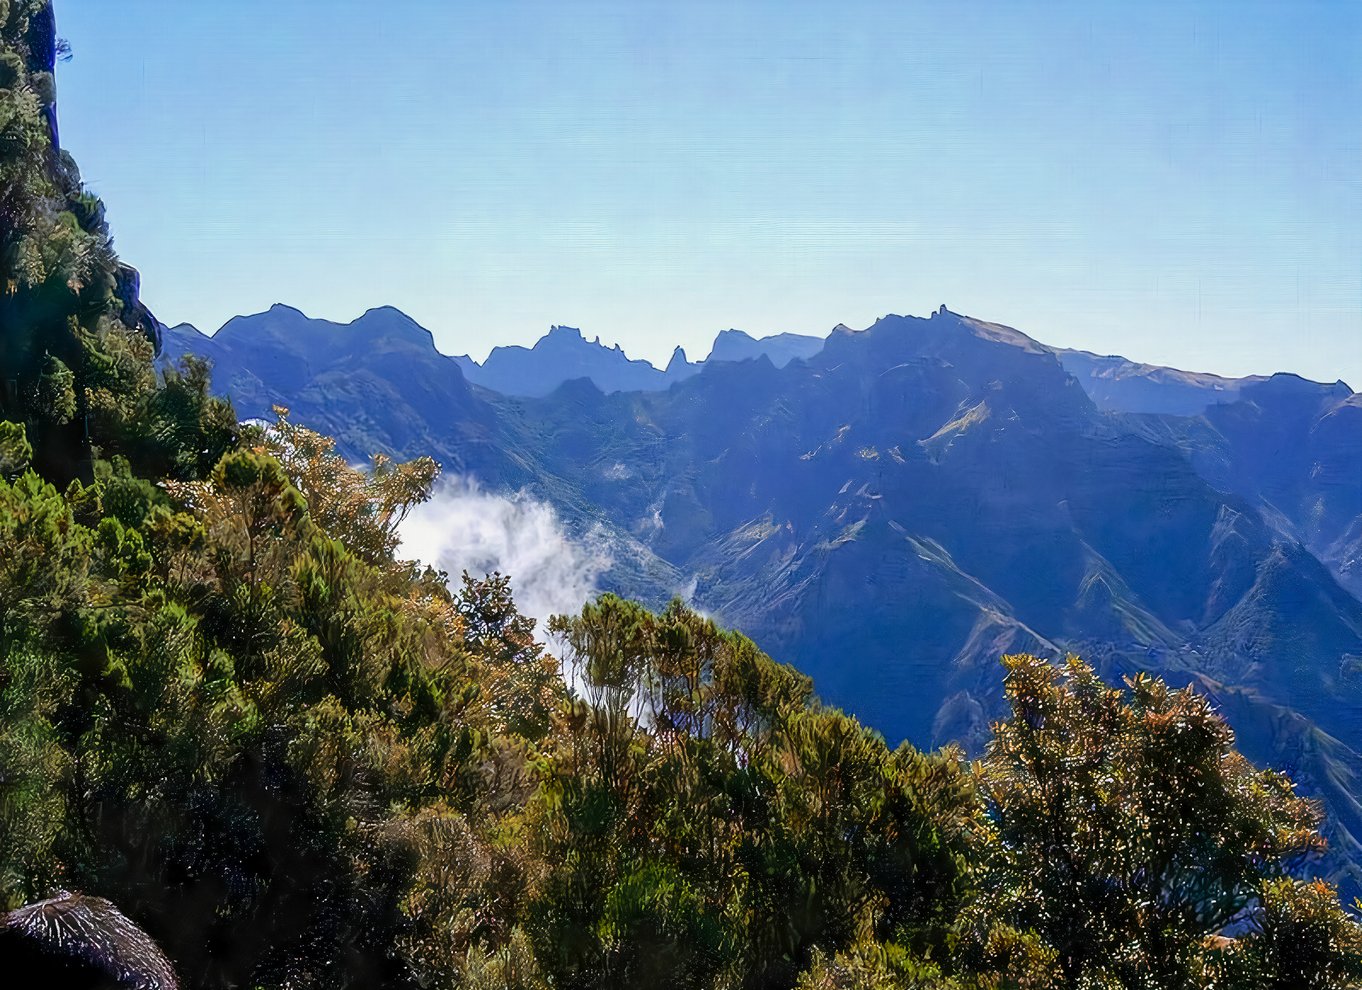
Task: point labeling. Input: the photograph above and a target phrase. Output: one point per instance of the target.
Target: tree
(872, 966)
(520, 681)
(1129, 830)
(362, 508)
(1300, 939)
(707, 823)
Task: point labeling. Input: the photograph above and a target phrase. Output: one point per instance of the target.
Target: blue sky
(1178, 182)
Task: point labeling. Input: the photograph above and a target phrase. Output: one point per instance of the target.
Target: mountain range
(564, 354)
(561, 355)
(892, 508)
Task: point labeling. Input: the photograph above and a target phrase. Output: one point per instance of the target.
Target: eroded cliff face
(135, 312)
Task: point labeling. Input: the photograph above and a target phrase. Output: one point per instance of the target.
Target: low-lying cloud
(464, 528)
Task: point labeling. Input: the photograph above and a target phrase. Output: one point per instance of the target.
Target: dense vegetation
(298, 761)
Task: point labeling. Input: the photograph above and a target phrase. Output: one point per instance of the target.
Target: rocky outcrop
(128, 286)
(782, 348)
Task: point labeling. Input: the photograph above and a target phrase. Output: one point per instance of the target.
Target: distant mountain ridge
(895, 509)
(1269, 422)
(1115, 383)
(561, 355)
(781, 348)
(1119, 384)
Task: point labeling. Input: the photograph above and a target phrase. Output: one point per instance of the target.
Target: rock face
(1293, 447)
(75, 942)
(135, 314)
(897, 509)
(1290, 447)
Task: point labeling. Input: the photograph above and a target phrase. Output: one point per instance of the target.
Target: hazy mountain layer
(561, 355)
(1118, 384)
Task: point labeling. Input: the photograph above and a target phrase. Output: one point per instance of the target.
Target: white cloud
(464, 527)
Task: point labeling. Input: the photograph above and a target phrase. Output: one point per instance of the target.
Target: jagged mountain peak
(563, 353)
(564, 335)
(946, 325)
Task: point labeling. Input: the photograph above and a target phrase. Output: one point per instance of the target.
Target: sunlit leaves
(1129, 829)
(363, 508)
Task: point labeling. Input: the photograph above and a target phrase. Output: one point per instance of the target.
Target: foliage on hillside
(75, 354)
(299, 764)
(297, 761)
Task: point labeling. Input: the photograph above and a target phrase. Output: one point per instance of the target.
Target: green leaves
(33, 770)
(696, 782)
(362, 508)
(1129, 830)
(56, 392)
(15, 451)
(206, 696)
(44, 561)
(1304, 940)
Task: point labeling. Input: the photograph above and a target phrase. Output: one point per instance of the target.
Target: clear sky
(1179, 182)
